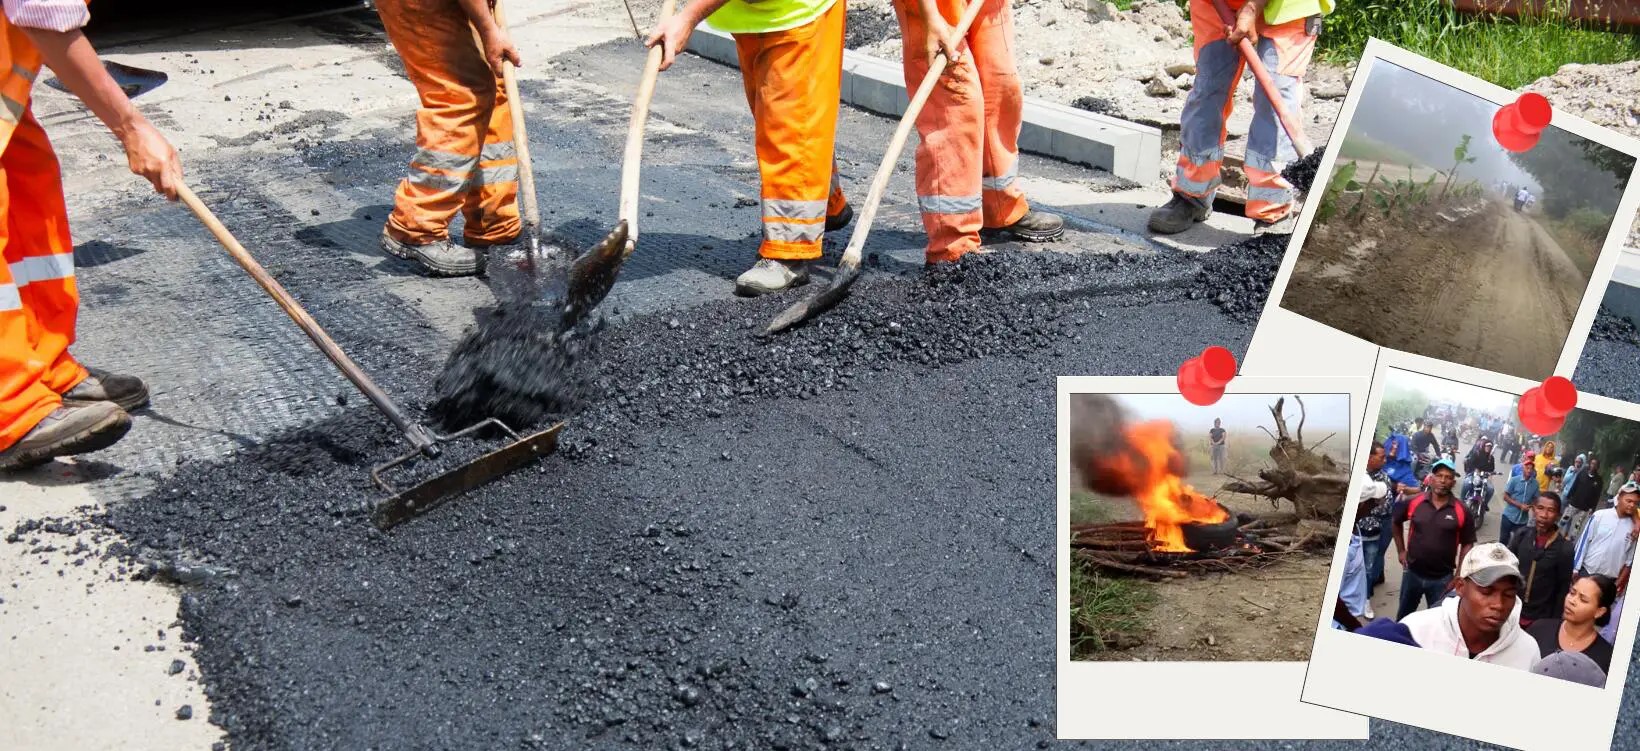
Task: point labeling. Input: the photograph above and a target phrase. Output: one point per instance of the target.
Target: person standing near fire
(1217, 446)
(968, 132)
(50, 404)
(1284, 33)
(791, 62)
(1438, 533)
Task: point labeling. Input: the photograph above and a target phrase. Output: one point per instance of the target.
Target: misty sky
(1427, 118)
(1443, 390)
(1239, 411)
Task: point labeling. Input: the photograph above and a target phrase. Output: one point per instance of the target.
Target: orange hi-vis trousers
(464, 160)
(1285, 50)
(794, 83)
(968, 150)
(39, 301)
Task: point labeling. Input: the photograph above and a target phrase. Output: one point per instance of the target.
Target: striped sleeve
(48, 15)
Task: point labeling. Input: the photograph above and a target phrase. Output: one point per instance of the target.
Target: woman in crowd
(1588, 609)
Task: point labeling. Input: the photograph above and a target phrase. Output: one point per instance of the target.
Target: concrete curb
(1127, 150)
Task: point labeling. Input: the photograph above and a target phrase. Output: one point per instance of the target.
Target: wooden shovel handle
(521, 141)
(885, 170)
(633, 158)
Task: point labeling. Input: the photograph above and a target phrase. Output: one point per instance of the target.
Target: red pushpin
(1543, 409)
(1202, 378)
(1516, 125)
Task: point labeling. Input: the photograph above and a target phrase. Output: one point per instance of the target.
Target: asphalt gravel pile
(1609, 326)
(1301, 173)
(690, 571)
(514, 365)
(1237, 277)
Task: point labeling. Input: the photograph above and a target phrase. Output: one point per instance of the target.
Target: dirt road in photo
(1490, 289)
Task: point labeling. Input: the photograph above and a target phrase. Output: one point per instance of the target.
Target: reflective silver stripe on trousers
(779, 208)
(1002, 181)
(1193, 187)
(437, 181)
(1211, 155)
(1259, 161)
(24, 72)
(790, 232)
(11, 110)
(1269, 195)
(10, 299)
(496, 151)
(948, 204)
(42, 268)
(444, 160)
(499, 175)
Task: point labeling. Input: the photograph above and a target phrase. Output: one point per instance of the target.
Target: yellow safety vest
(19, 66)
(764, 16)
(1281, 11)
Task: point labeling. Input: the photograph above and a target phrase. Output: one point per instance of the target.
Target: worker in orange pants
(50, 405)
(464, 162)
(968, 152)
(1284, 34)
(791, 60)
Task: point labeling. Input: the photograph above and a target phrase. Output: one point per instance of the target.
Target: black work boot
(1282, 226)
(841, 219)
(1035, 227)
(71, 429)
(1178, 215)
(437, 258)
(129, 392)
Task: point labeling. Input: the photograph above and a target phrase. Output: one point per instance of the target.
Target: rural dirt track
(1494, 292)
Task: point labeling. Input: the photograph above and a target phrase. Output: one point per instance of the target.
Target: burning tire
(1205, 537)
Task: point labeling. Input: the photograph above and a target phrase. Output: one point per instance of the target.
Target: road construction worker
(464, 162)
(1284, 33)
(968, 147)
(51, 405)
(791, 62)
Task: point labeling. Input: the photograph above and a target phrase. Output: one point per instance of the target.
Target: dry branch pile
(1314, 482)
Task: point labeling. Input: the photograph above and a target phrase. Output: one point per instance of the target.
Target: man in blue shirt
(1398, 469)
(1518, 496)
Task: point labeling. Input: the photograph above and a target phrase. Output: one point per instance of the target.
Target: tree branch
(1302, 415)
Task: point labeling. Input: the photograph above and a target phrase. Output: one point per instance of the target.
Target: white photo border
(1330, 351)
(1336, 677)
(1265, 705)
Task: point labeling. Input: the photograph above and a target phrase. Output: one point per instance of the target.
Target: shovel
(521, 145)
(1295, 132)
(593, 274)
(400, 505)
(849, 268)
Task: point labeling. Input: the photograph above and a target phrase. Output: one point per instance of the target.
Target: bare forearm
(72, 58)
(480, 15)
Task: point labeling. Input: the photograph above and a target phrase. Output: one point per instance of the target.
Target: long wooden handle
(633, 158)
(521, 141)
(1295, 131)
(885, 170)
(311, 327)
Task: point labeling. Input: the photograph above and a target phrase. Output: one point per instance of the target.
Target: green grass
(1574, 239)
(1503, 51)
(1103, 608)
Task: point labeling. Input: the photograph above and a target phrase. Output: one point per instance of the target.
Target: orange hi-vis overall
(464, 160)
(968, 150)
(793, 80)
(1285, 50)
(38, 298)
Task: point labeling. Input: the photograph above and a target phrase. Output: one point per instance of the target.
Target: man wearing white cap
(1483, 622)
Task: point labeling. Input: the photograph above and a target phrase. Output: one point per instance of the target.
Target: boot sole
(1171, 230)
(1025, 235)
(98, 437)
(841, 220)
(433, 268)
(747, 290)
(131, 403)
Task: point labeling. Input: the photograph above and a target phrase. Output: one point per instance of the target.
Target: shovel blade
(433, 492)
(817, 303)
(593, 275)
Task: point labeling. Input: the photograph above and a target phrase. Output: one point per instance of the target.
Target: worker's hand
(152, 157)
(498, 47)
(940, 40)
(673, 36)
(1246, 26)
(1402, 555)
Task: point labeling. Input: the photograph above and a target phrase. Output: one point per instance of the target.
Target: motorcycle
(1477, 494)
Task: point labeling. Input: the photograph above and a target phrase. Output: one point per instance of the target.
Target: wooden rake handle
(633, 159)
(885, 170)
(328, 346)
(1295, 131)
(521, 141)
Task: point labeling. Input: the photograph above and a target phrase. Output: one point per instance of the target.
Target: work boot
(1178, 215)
(129, 392)
(438, 258)
(1282, 226)
(1035, 227)
(71, 429)
(771, 275)
(841, 220)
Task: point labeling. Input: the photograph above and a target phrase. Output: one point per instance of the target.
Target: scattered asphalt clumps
(681, 574)
(514, 366)
(1609, 326)
(1301, 173)
(1237, 277)
(1610, 363)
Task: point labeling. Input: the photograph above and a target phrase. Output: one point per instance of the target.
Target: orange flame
(1147, 469)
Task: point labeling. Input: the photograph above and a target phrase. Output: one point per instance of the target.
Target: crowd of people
(1545, 596)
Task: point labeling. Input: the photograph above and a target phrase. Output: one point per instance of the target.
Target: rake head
(403, 505)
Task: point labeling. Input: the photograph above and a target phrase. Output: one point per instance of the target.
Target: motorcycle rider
(1426, 448)
(1479, 467)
